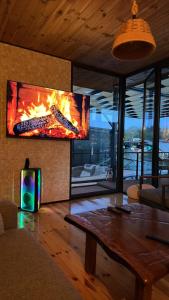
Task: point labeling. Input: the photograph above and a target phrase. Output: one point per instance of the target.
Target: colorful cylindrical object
(30, 189)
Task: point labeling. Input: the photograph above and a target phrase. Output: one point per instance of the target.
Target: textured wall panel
(52, 156)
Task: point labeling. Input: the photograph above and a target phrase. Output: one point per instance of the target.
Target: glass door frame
(157, 100)
(72, 143)
(144, 120)
(120, 152)
(122, 90)
(155, 145)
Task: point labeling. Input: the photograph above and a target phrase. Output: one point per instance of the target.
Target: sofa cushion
(1, 225)
(28, 272)
(154, 196)
(9, 211)
(133, 191)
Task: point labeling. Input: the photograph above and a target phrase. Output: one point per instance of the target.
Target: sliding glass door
(138, 127)
(164, 124)
(133, 131)
(148, 124)
(94, 160)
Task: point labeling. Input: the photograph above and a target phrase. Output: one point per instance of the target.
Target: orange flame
(40, 106)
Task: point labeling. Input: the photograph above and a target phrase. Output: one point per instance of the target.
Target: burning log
(62, 120)
(32, 124)
(43, 122)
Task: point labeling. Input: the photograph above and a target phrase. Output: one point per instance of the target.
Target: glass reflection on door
(132, 145)
(164, 124)
(138, 127)
(94, 160)
(148, 124)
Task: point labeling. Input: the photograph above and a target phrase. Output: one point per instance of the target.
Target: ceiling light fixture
(134, 39)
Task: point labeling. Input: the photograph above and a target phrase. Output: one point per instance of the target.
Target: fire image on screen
(34, 111)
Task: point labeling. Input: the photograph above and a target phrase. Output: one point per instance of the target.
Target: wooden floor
(66, 244)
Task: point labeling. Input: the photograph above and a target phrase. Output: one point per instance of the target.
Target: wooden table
(123, 239)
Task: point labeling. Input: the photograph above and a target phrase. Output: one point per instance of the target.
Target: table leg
(142, 292)
(90, 254)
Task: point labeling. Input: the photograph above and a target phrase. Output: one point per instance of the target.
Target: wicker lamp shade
(134, 40)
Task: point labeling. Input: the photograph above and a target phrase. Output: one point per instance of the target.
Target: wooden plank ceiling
(81, 31)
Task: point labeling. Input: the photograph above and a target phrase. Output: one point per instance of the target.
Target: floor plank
(66, 245)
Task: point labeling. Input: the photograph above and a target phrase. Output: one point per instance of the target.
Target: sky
(101, 120)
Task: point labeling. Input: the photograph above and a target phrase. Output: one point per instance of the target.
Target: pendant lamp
(134, 39)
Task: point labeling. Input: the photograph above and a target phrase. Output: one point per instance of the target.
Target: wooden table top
(123, 238)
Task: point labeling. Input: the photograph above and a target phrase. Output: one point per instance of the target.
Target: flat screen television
(38, 112)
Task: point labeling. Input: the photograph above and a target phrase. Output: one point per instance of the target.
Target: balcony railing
(89, 166)
(132, 164)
